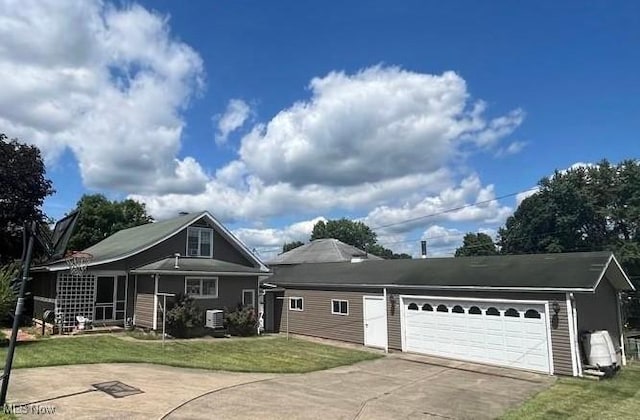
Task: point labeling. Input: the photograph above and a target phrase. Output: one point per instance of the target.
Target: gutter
(201, 273)
(470, 288)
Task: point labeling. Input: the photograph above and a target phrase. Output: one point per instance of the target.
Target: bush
(242, 322)
(185, 319)
(7, 295)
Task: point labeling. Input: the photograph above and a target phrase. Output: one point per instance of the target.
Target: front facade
(135, 271)
(513, 324)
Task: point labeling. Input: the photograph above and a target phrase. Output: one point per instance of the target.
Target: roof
(322, 251)
(197, 266)
(128, 242)
(541, 272)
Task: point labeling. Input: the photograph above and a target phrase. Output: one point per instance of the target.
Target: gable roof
(541, 272)
(322, 251)
(128, 242)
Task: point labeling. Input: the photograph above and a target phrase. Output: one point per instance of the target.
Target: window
(442, 308)
(339, 307)
(457, 309)
(474, 310)
(413, 307)
(532, 313)
(295, 304)
(512, 312)
(248, 297)
(493, 311)
(201, 287)
(427, 307)
(199, 242)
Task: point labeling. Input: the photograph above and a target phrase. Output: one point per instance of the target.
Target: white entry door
(375, 322)
(499, 333)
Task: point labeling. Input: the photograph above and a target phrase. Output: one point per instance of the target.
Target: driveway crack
(399, 387)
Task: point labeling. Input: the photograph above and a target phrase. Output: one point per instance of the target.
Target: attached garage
(512, 334)
(518, 311)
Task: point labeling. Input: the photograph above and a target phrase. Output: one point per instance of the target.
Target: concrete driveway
(394, 387)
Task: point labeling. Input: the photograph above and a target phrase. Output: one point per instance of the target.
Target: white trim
(135, 299)
(469, 299)
(339, 313)
(199, 229)
(44, 299)
(200, 273)
(200, 295)
(572, 335)
(386, 318)
(446, 288)
(575, 329)
(253, 297)
(549, 340)
(604, 271)
(364, 319)
(155, 303)
(623, 356)
(291, 299)
(126, 296)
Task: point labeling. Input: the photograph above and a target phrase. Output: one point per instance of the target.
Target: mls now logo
(28, 409)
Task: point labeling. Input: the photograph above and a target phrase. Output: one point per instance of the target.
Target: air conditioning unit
(215, 319)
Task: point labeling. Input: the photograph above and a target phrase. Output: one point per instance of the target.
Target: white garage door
(504, 334)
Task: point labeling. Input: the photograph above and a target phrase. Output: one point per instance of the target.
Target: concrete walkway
(393, 387)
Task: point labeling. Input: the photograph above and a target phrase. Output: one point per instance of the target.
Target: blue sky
(274, 114)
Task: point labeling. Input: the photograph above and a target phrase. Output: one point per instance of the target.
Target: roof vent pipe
(356, 259)
(423, 246)
(176, 265)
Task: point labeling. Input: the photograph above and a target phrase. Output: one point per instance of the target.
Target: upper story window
(199, 242)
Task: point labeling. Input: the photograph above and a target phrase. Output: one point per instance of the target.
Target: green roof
(135, 239)
(185, 264)
(571, 271)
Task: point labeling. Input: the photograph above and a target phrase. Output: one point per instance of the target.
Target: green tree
(288, 246)
(23, 188)
(100, 217)
(476, 244)
(353, 233)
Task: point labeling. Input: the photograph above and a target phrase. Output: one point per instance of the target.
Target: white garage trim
(572, 336)
(542, 306)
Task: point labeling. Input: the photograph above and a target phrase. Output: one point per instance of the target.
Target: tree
(353, 233)
(288, 246)
(476, 244)
(23, 188)
(100, 217)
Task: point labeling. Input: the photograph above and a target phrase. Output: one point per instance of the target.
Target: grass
(274, 355)
(572, 398)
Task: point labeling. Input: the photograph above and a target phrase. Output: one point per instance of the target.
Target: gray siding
(317, 320)
(599, 310)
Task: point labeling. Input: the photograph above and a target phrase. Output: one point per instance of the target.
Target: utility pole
(26, 266)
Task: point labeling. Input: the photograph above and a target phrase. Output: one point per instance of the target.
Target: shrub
(7, 295)
(185, 319)
(242, 322)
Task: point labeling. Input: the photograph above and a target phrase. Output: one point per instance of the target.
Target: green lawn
(241, 355)
(617, 398)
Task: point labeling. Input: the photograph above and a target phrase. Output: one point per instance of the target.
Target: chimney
(176, 265)
(423, 246)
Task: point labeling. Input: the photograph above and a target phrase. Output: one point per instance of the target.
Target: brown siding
(317, 320)
(560, 342)
(599, 310)
(144, 310)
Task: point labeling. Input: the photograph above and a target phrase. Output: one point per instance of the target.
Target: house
(519, 311)
(321, 251)
(132, 269)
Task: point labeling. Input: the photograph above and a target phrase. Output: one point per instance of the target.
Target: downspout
(386, 320)
(576, 337)
(155, 303)
(620, 328)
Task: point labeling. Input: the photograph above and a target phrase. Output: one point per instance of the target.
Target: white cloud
(512, 149)
(234, 117)
(520, 197)
(377, 124)
(410, 215)
(107, 82)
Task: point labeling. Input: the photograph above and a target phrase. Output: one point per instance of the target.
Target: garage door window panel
(512, 313)
(442, 308)
(427, 308)
(413, 307)
(474, 310)
(492, 311)
(532, 313)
